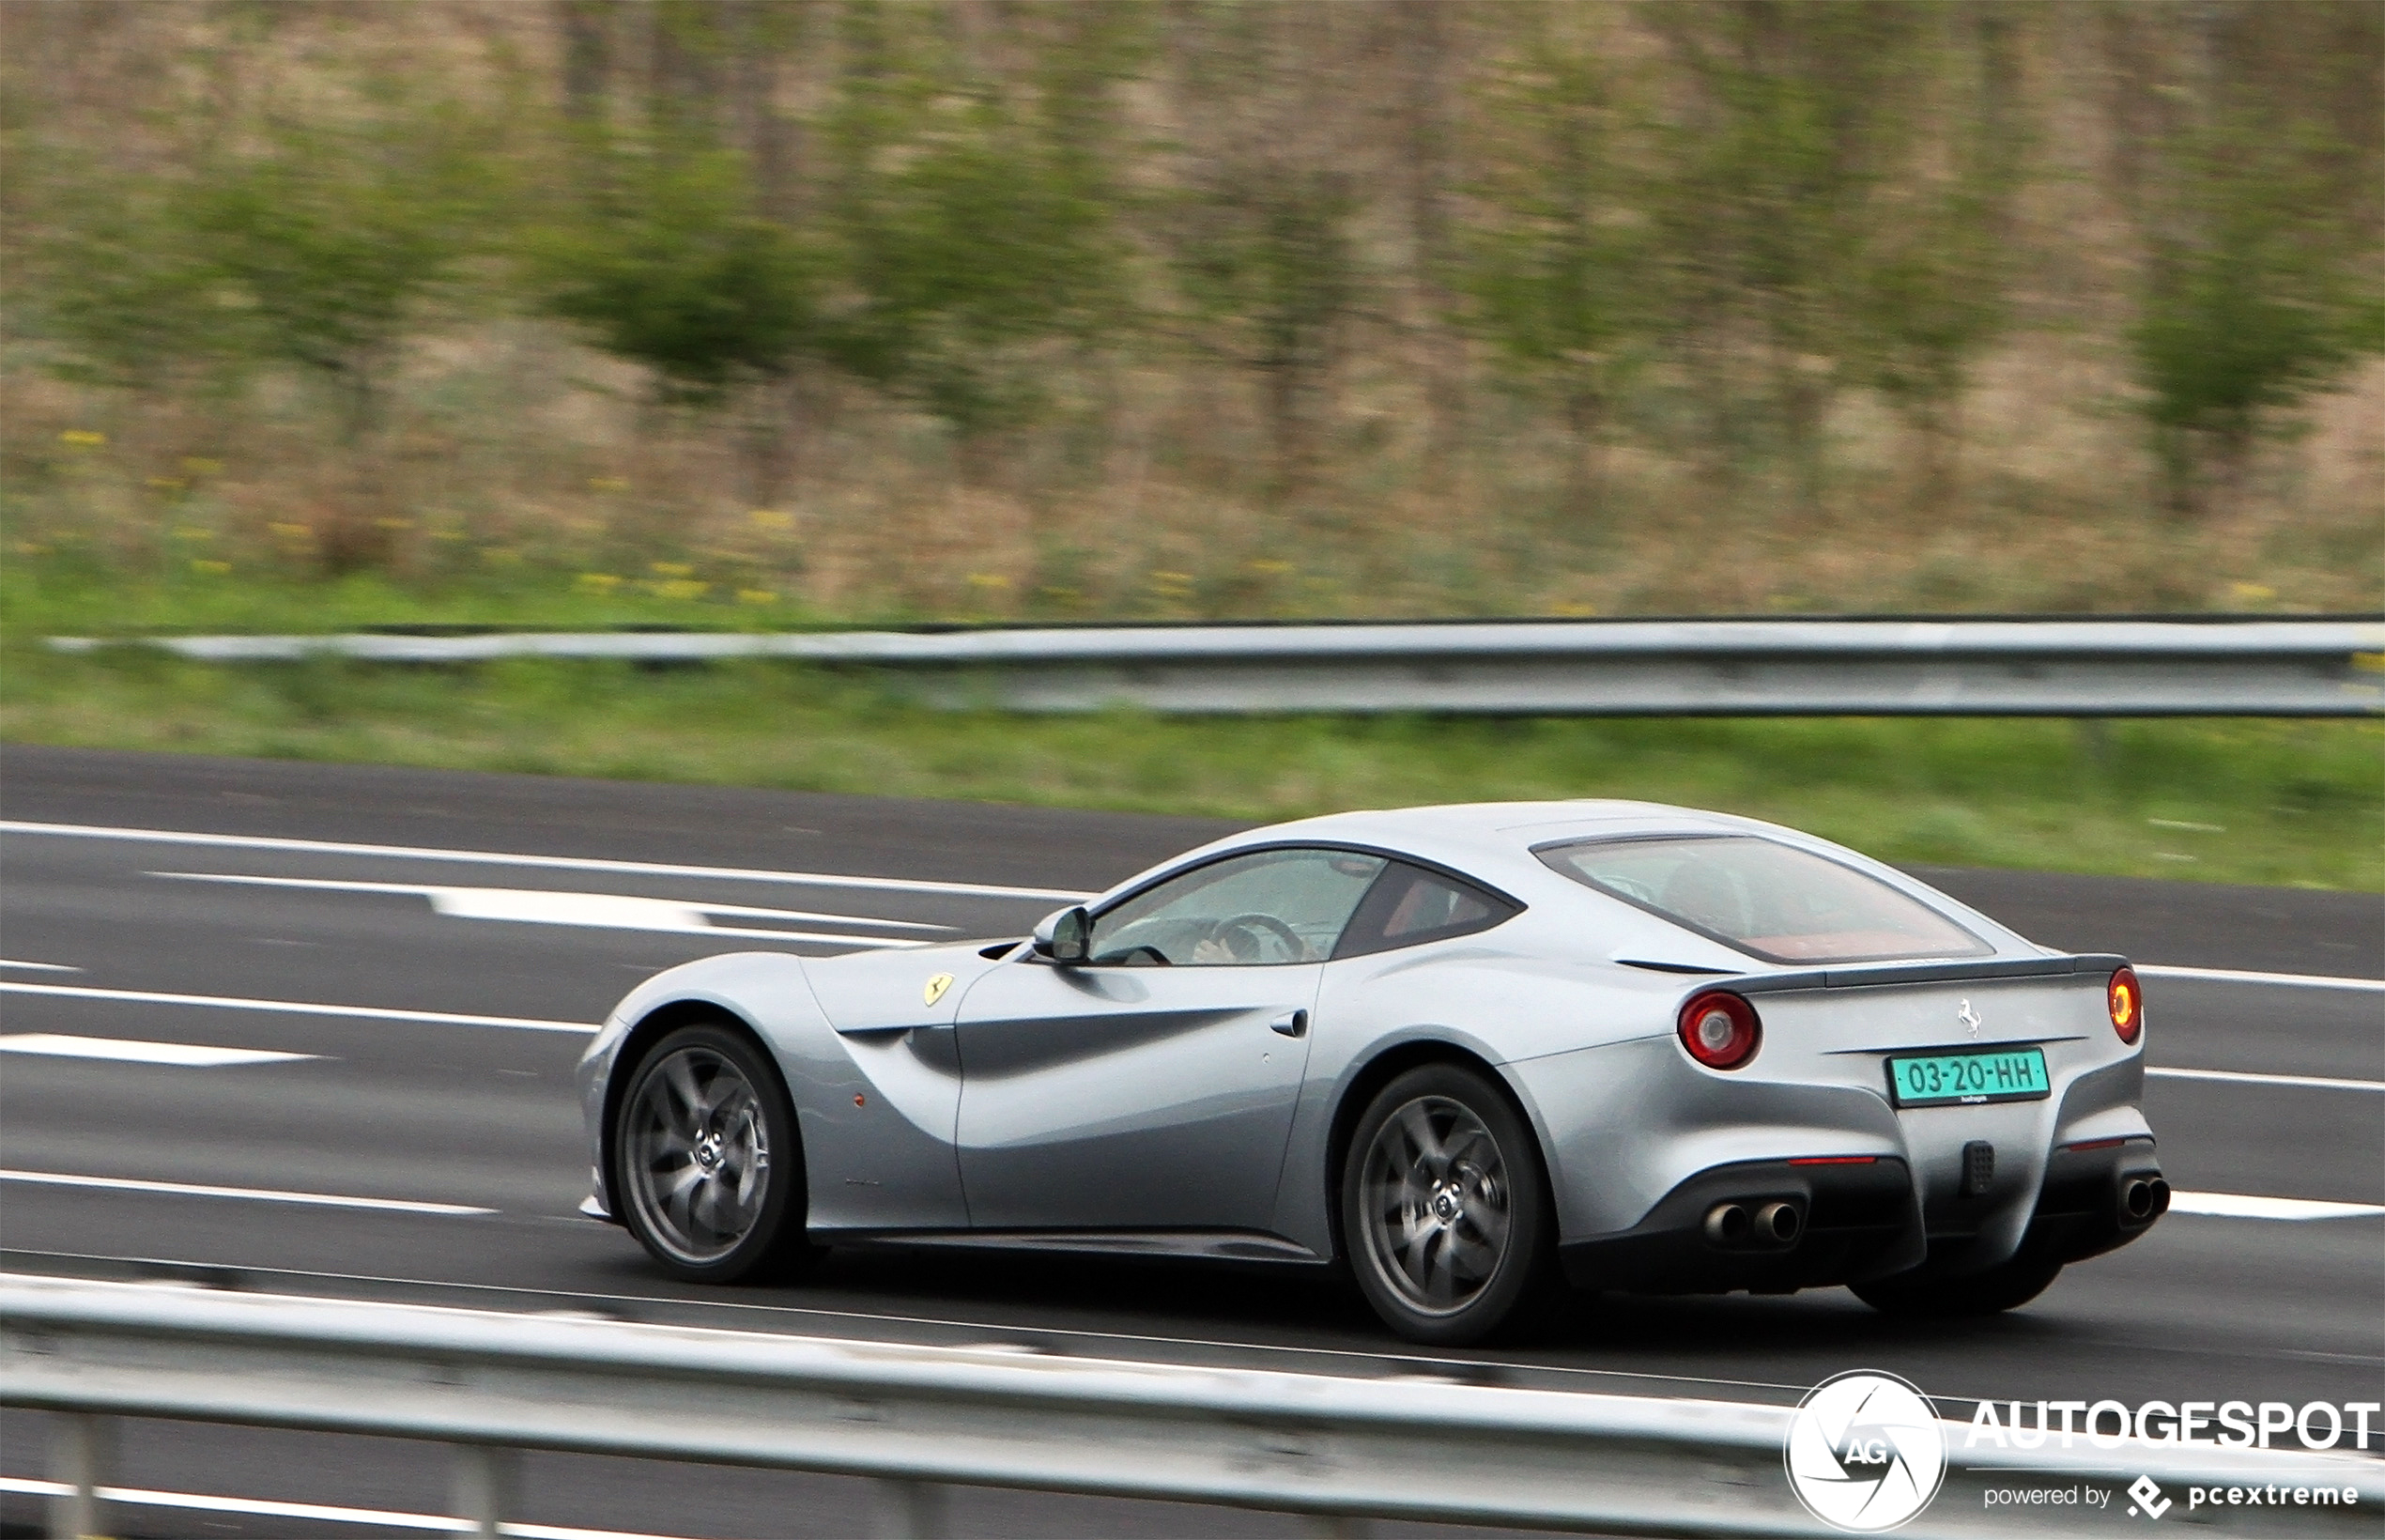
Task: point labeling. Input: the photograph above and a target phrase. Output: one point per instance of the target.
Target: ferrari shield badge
(937, 984)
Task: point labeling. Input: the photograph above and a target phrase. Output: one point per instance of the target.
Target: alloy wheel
(1437, 1205)
(695, 1154)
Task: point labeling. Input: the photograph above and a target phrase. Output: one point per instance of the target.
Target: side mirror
(1065, 935)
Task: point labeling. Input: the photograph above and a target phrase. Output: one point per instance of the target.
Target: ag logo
(1865, 1452)
(937, 984)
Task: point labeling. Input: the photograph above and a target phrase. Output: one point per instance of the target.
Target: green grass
(2298, 803)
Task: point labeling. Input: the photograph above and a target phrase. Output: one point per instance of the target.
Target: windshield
(1781, 903)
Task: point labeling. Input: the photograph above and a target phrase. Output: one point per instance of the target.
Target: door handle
(1292, 1023)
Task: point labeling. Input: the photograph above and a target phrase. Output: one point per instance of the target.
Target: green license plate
(1967, 1079)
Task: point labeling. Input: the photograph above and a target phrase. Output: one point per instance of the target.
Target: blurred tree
(1260, 231)
(1791, 112)
(2257, 188)
(970, 220)
(1563, 263)
(1430, 39)
(1926, 287)
(321, 237)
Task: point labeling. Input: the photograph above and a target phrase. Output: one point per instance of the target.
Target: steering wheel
(1240, 935)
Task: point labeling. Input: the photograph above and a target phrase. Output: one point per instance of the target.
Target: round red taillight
(1720, 1029)
(2127, 1002)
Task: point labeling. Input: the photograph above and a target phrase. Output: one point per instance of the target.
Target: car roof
(1492, 837)
(1493, 842)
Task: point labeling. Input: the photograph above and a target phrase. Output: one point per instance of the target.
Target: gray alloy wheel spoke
(1435, 1205)
(1424, 1145)
(686, 1105)
(699, 1155)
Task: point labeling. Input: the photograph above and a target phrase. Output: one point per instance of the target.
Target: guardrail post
(910, 1510)
(82, 1457)
(485, 1482)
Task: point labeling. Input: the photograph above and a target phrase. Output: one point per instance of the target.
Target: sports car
(1477, 1057)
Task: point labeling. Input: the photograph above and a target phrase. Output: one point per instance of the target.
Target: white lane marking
(141, 1497)
(2243, 1206)
(38, 967)
(194, 1055)
(2246, 1077)
(561, 863)
(602, 911)
(254, 1194)
(291, 1008)
(2239, 976)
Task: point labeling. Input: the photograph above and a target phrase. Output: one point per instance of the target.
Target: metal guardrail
(919, 1419)
(2053, 667)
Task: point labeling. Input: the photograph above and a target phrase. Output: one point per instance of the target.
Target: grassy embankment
(2231, 801)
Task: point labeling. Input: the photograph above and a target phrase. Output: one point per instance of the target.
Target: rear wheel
(2005, 1286)
(1445, 1211)
(710, 1172)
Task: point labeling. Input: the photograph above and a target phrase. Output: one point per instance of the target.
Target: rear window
(1781, 903)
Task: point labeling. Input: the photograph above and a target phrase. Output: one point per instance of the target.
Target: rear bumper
(1860, 1221)
(1855, 1221)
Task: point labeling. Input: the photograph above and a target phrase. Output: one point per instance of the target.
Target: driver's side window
(1271, 906)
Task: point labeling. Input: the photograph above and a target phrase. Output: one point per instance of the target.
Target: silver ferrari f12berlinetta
(1474, 1055)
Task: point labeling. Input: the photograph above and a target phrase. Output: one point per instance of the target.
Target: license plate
(1967, 1079)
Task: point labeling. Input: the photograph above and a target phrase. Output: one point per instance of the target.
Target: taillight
(1720, 1029)
(2127, 1002)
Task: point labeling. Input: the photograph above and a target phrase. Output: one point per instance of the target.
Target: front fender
(874, 1110)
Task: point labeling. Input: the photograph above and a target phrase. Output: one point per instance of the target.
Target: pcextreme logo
(1865, 1452)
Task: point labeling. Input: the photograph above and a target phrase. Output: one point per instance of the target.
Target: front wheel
(710, 1173)
(1445, 1211)
(2005, 1286)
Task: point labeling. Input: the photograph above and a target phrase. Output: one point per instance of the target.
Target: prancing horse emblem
(1963, 1013)
(938, 983)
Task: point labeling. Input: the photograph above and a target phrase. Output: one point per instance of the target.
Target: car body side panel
(1128, 1097)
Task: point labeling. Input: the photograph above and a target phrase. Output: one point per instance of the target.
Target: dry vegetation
(1394, 462)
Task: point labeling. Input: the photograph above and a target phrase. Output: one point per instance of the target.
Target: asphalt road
(480, 1116)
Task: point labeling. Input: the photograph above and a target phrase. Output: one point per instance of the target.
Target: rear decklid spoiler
(1854, 976)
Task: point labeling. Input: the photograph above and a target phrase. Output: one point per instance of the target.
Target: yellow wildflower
(83, 437)
(597, 582)
(673, 569)
(210, 569)
(756, 595)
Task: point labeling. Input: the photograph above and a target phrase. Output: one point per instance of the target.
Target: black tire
(1446, 1219)
(708, 1169)
(2005, 1286)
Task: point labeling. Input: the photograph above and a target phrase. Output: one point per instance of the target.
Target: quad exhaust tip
(2143, 1198)
(1768, 1224)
